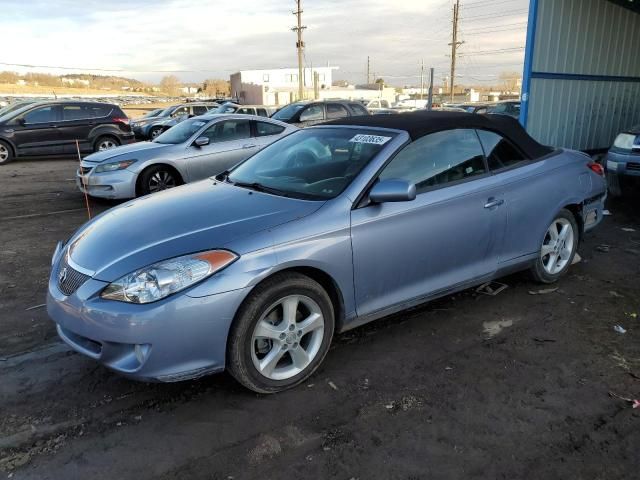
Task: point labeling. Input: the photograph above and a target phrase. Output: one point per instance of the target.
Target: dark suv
(303, 114)
(52, 128)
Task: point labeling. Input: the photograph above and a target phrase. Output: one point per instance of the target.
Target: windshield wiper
(258, 187)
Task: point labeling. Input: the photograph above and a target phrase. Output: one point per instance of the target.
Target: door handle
(248, 145)
(493, 202)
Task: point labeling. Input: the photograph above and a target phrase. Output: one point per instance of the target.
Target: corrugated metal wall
(588, 38)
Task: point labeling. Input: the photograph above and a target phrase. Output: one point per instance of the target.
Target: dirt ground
(471, 386)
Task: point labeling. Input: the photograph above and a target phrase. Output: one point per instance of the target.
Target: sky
(198, 39)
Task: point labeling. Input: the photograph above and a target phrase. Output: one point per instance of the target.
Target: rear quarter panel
(536, 192)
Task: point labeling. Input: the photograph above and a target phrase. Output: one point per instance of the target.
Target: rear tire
(105, 142)
(157, 178)
(6, 153)
(281, 333)
(558, 248)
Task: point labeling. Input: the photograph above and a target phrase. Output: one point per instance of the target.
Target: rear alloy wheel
(6, 154)
(158, 178)
(155, 132)
(282, 334)
(558, 248)
(106, 143)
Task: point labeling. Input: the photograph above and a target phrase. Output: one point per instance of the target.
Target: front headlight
(112, 167)
(162, 279)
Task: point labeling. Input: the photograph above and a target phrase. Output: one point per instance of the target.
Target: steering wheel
(301, 159)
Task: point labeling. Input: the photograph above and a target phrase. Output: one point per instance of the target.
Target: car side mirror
(392, 190)
(21, 121)
(201, 141)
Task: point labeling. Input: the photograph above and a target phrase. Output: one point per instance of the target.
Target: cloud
(216, 38)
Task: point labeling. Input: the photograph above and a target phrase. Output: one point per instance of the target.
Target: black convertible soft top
(423, 122)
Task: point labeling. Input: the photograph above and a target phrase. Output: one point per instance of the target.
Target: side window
(180, 111)
(199, 110)
(312, 113)
(358, 109)
(228, 130)
(262, 112)
(99, 111)
(438, 159)
(500, 152)
(41, 115)
(264, 129)
(335, 110)
(74, 112)
(245, 111)
(374, 104)
(385, 104)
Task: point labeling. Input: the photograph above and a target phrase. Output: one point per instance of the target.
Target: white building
(277, 86)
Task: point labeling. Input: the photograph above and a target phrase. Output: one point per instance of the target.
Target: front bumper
(120, 184)
(177, 338)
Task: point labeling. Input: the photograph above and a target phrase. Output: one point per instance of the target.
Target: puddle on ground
(491, 329)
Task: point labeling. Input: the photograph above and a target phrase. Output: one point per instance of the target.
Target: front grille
(69, 279)
(633, 166)
(84, 170)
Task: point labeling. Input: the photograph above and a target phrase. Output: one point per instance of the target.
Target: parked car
(52, 128)
(376, 105)
(151, 127)
(260, 110)
(477, 107)
(196, 148)
(622, 162)
(305, 113)
(322, 231)
(506, 107)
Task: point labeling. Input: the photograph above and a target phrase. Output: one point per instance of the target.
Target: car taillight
(596, 167)
(124, 120)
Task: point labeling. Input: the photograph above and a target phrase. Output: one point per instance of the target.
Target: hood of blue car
(128, 150)
(196, 217)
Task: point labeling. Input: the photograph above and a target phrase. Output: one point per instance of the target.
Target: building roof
(423, 122)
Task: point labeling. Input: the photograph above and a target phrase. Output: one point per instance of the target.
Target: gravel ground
(470, 386)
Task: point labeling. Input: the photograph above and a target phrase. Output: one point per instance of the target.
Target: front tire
(157, 178)
(6, 153)
(558, 248)
(281, 333)
(155, 132)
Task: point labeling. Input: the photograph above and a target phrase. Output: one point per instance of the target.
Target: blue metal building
(581, 82)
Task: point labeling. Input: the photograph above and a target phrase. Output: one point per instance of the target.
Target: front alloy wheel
(281, 333)
(558, 248)
(161, 180)
(287, 337)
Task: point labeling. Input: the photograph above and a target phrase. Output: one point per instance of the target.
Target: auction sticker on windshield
(372, 139)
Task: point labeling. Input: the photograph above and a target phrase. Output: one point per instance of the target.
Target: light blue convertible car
(328, 228)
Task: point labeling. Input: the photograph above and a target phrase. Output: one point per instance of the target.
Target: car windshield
(166, 112)
(181, 132)
(314, 164)
(153, 113)
(11, 111)
(288, 112)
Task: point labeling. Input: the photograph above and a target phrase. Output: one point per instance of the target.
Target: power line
(488, 52)
(498, 25)
(486, 4)
(492, 15)
(494, 31)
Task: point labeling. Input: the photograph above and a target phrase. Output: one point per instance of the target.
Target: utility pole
(368, 71)
(421, 79)
(430, 100)
(454, 44)
(300, 46)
